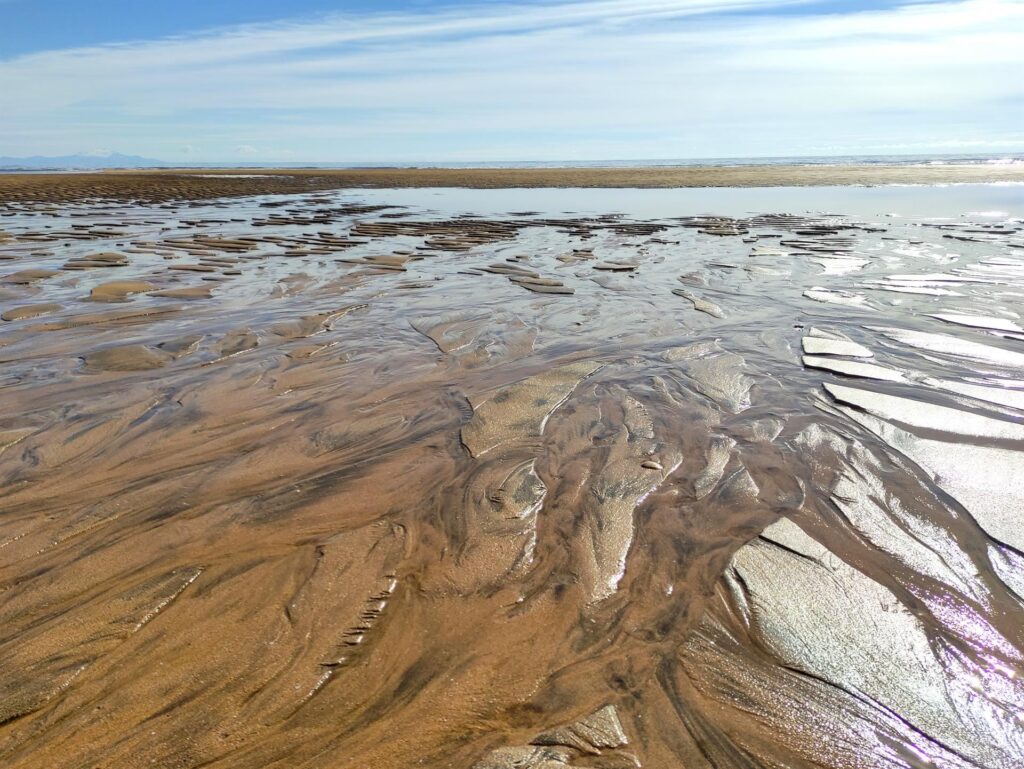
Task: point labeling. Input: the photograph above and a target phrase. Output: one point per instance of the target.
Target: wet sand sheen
(301, 481)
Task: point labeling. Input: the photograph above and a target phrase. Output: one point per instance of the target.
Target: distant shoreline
(80, 163)
(206, 183)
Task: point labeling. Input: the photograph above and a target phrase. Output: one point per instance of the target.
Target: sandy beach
(321, 480)
(512, 384)
(185, 184)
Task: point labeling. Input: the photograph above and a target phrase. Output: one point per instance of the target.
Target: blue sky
(310, 80)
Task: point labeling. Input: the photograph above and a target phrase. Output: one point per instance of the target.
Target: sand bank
(182, 184)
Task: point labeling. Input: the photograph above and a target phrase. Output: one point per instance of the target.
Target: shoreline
(148, 185)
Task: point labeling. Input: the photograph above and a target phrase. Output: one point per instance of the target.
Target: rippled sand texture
(299, 482)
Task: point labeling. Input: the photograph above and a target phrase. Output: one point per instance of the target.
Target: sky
(474, 80)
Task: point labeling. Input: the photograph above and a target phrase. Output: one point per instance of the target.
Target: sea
(817, 160)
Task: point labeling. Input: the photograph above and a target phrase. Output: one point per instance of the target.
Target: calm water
(951, 201)
(933, 159)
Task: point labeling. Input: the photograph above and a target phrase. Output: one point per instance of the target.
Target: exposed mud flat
(180, 184)
(320, 481)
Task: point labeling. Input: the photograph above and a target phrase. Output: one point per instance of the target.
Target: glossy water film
(326, 481)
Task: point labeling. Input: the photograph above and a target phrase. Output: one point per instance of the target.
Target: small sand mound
(30, 311)
(130, 357)
(119, 290)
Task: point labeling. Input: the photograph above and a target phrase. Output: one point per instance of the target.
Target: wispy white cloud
(604, 78)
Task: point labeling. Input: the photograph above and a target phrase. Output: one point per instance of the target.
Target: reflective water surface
(516, 478)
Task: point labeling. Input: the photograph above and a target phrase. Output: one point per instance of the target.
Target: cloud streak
(613, 78)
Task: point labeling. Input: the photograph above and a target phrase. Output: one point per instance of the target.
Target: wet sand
(312, 481)
(193, 184)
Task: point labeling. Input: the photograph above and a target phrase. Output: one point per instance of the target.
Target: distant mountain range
(85, 161)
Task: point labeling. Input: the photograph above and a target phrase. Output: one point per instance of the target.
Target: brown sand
(185, 184)
(338, 515)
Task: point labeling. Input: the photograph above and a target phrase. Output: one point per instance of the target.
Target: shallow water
(355, 480)
(957, 202)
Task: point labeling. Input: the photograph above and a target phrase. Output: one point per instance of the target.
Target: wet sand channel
(323, 480)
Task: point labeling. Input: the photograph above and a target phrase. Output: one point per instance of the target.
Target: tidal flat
(510, 479)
